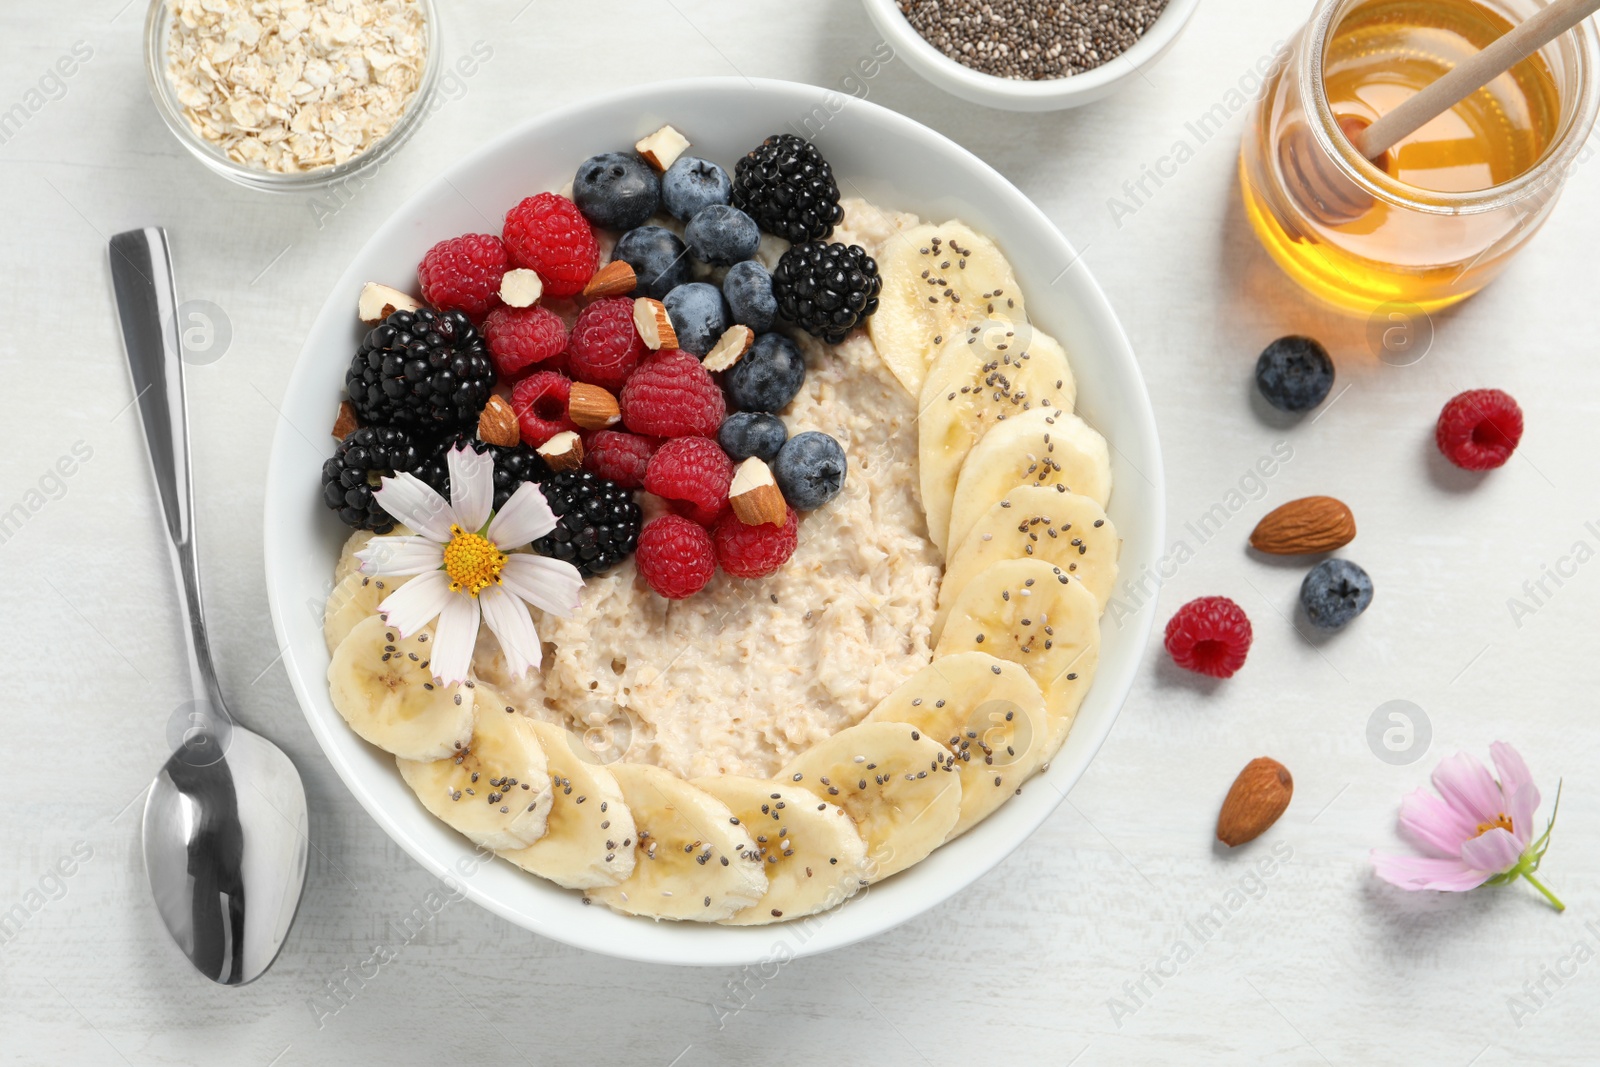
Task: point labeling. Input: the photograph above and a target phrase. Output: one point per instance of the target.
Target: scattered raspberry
(754, 551)
(1210, 635)
(518, 338)
(605, 347)
(618, 457)
(1479, 429)
(693, 475)
(540, 401)
(463, 274)
(549, 235)
(672, 395)
(675, 556)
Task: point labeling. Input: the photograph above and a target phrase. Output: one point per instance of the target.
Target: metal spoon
(225, 819)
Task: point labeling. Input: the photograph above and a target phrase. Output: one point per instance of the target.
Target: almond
(614, 279)
(650, 318)
(345, 421)
(1258, 796)
(563, 452)
(520, 288)
(730, 348)
(591, 407)
(498, 424)
(662, 148)
(755, 495)
(377, 302)
(1305, 526)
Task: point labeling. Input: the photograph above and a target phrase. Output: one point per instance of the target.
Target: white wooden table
(1089, 945)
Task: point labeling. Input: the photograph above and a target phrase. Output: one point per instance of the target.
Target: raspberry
(605, 347)
(675, 556)
(618, 457)
(549, 235)
(540, 401)
(754, 551)
(463, 274)
(520, 337)
(1210, 635)
(1479, 429)
(672, 395)
(693, 475)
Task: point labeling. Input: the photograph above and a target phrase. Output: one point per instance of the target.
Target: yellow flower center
(472, 561)
(1501, 821)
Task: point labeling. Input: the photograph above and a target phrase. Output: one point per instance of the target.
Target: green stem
(1540, 886)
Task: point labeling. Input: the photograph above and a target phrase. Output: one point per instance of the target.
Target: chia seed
(1032, 40)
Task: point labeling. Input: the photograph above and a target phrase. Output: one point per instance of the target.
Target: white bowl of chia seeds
(1030, 55)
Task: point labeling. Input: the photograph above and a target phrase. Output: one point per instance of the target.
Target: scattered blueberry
(1294, 373)
(617, 190)
(657, 256)
(692, 184)
(699, 315)
(752, 433)
(1334, 592)
(748, 288)
(721, 235)
(810, 470)
(767, 377)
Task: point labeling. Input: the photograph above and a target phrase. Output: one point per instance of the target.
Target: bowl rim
(940, 68)
(729, 946)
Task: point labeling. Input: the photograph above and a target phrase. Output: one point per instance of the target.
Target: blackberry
(788, 188)
(359, 461)
(826, 290)
(420, 369)
(597, 522)
(512, 466)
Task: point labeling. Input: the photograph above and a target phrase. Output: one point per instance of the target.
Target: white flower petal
(417, 603)
(400, 555)
(454, 639)
(526, 515)
(413, 502)
(508, 617)
(471, 486)
(550, 584)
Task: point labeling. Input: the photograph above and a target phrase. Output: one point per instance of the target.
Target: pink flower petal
(1437, 827)
(417, 603)
(1467, 786)
(471, 486)
(413, 502)
(400, 555)
(1516, 783)
(1421, 872)
(511, 624)
(550, 584)
(454, 638)
(1494, 851)
(526, 515)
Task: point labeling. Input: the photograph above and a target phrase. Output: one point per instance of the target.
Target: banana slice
(348, 564)
(934, 277)
(495, 789)
(984, 374)
(356, 597)
(1037, 522)
(382, 686)
(1033, 613)
(988, 713)
(692, 859)
(896, 784)
(809, 849)
(589, 819)
(1038, 447)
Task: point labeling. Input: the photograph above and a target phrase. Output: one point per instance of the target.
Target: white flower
(463, 574)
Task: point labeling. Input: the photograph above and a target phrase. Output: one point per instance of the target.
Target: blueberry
(752, 433)
(721, 235)
(748, 288)
(1334, 592)
(617, 190)
(1294, 373)
(768, 376)
(698, 314)
(810, 470)
(692, 184)
(657, 256)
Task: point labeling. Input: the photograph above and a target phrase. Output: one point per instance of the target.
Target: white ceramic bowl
(1010, 94)
(876, 153)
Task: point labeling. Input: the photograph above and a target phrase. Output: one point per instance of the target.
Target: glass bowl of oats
(293, 95)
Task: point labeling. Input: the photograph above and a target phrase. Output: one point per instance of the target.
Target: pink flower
(1476, 830)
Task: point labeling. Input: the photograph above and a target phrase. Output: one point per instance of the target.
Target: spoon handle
(147, 305)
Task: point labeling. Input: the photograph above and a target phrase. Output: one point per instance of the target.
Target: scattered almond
(592, 407)
(498, 424)
(563, 452)
(662, 148)
(1305, 526)
(1258, 796)
(520, 288)
(730, 348)
(755, 496)
(614, 279)
(377, 302)
(650, 318)
(345, 421)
